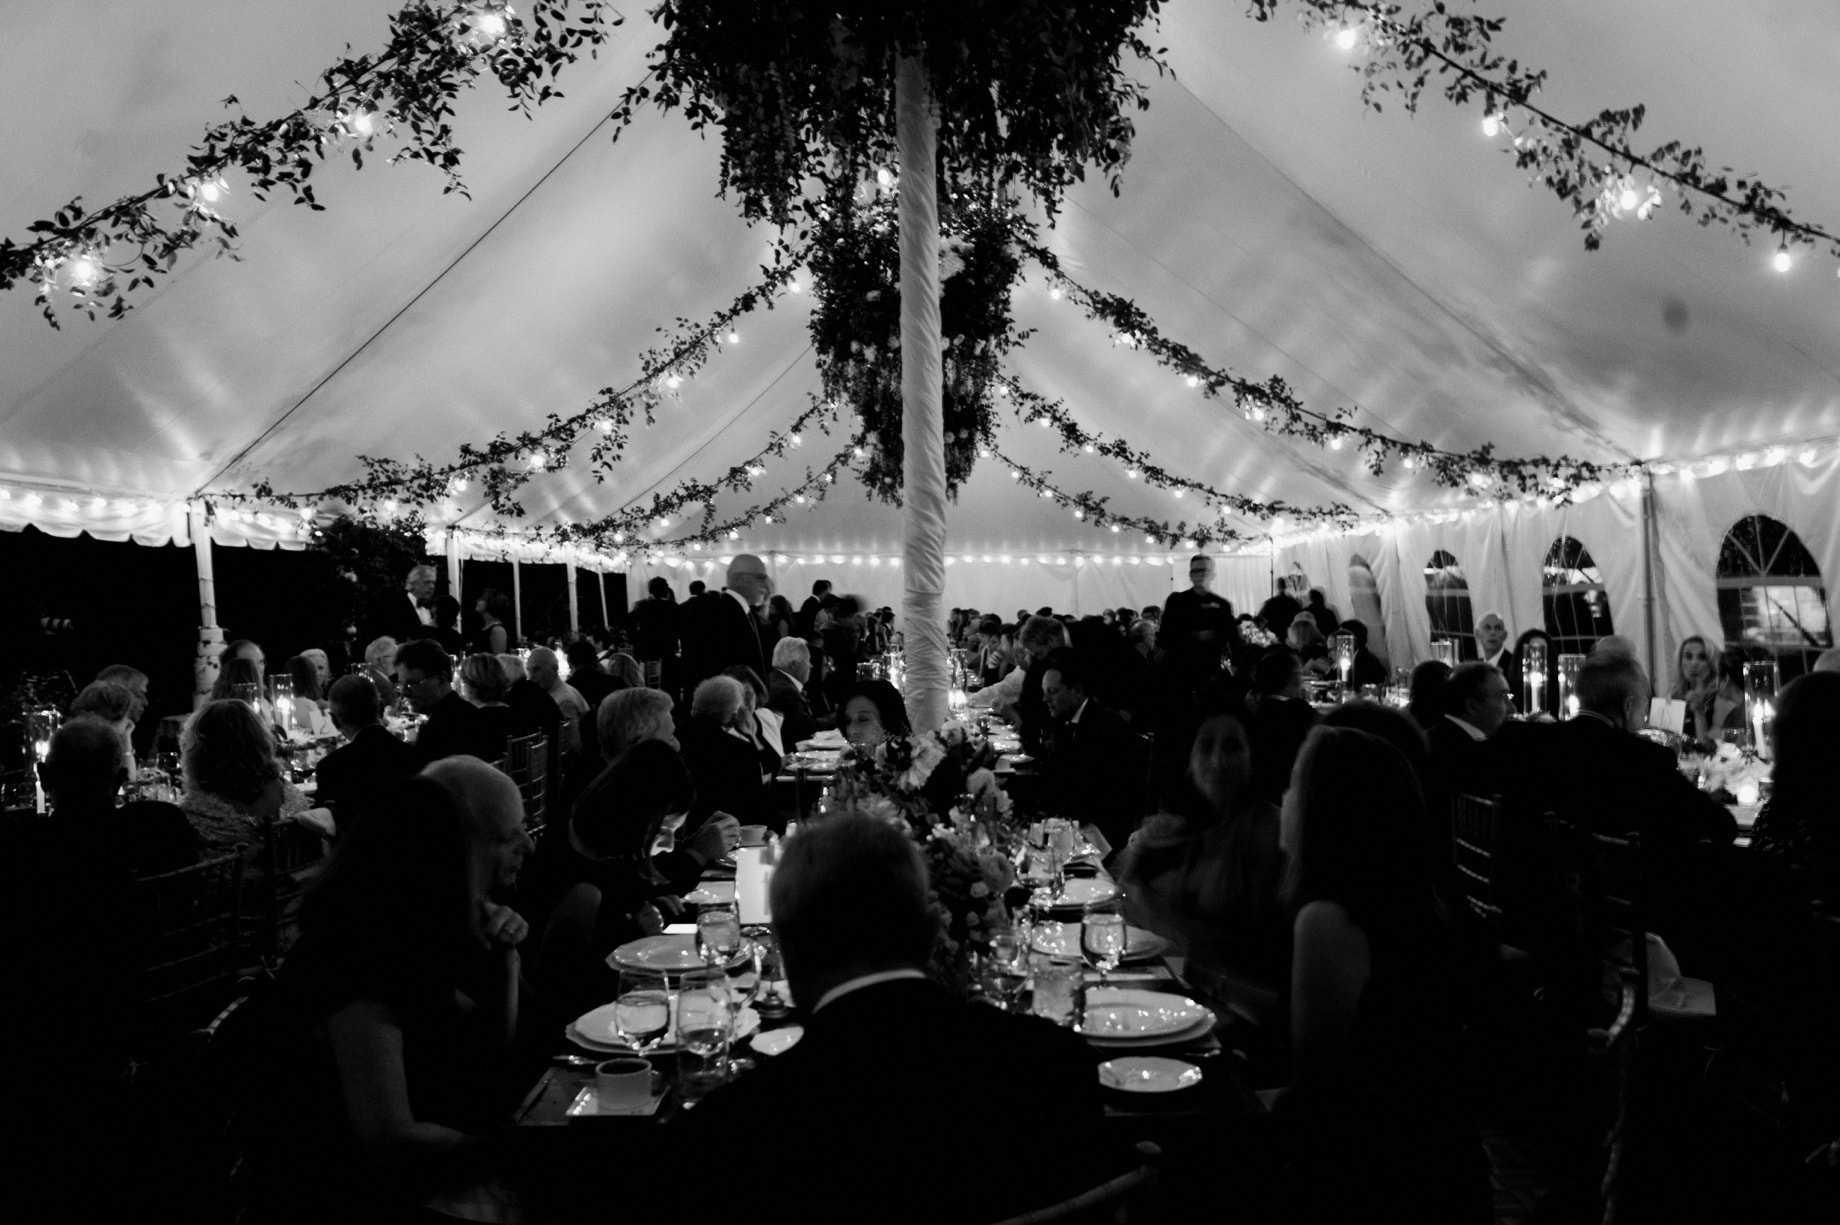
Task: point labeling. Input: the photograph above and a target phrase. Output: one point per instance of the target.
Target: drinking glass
(642, 1010)
(704, 1030)
(1006, 970)
(718, 934)
(744, 977)
(249, 692)
(1057, 982)
(1102, 939)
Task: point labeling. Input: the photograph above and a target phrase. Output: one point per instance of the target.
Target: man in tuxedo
(807, 623)
(1198, 626)
(407, 614)
(720, 628)
(1097, 771)
(1476, 704)
(370, 756)
(1492, 642)
(786, 692)
(454, 728)
(890, 1061)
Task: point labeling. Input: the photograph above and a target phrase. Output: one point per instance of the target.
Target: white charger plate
(1129, 1014)
(1148, 1074)
(1085, 891)
(672, 953)
(1063, 940)
(594, 1030)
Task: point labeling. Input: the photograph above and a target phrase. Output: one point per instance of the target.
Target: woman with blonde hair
(233, 781)
(1714, 698)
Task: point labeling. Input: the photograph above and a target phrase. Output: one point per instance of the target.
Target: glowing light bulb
(793, 286)
(1078, 513)
(1347, 37)
(859, 452)
(1628, 199)
(1055, 293)
(1193, 380)
(364, 123)
(1258, 413)
(756, 470)
(799, 498)
(604, 425)
(884, 177)
(85, 271)
(1116, 528)
(1131, 472)
(1014, 475)
(618, 537)
(797, 440)
(1491, 126)
(1411, 463)
(674, 381)
(210, 191)
(734, 337)
(1782, 261)
(1335, 443)
(1088, 448)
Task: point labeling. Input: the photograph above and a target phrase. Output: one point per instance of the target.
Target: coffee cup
(753, 835)
(623, 1084)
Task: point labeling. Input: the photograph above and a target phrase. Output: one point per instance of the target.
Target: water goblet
(1102, 939)
(718, 934)
(705, 1028)
(642, 1010)
(744, 978)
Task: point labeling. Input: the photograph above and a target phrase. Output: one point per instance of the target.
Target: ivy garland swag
(856, 327)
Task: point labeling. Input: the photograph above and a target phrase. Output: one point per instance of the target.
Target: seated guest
(762, 722)
(1281, 718)
(786, 692)
(380, 669)
(586, 674)
(322, 668)
(1800, 825)
(1308, 643)
(445, 626)
(849, 901)
(1492, 642)
(403, 994)
(1097, 770)
(454, 728)
(357, 771)
(593, 883)
(1476, 704)
(307, 714)
(872, 712)
(624, 671)
(721, 756)
(483, 683)
(532, 709)
(1615, 644)
(1377, 1101)
(234, 676)
(134, 681)
(1425, 702)
(83, 776)
(543, 672)
(1038, 636)
(232, 781)
(628, 716)
(1206, 872)
(1000, 696)
(113, 704)
(1367, 670)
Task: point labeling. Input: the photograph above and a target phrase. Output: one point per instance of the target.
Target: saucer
(1148, 1074)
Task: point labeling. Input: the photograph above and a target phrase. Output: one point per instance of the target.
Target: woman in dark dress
(484, 682)
(492, 638)
(1378, 1105)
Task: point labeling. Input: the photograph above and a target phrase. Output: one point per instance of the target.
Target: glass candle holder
(1533, 677)
(1341, 652)
(1568, 684)
(40, 726)
(1761, 680)
(1444, 650)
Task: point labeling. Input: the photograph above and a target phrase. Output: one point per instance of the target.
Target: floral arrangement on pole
(856, 328)
(939, 787)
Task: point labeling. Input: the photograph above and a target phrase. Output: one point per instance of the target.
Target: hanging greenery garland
(856, 328)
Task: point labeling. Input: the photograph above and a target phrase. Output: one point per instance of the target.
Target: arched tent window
(1771, 601)
(1364, 596)
(1447, 600)
(1573, 599)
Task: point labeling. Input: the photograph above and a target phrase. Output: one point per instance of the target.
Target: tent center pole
(207, 662)
(1648, 568)
(574, 601)
(517, 602)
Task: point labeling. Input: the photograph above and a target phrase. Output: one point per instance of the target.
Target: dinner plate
(594, 1030)
(1148, 1074)
(1063, 940)
(1085, 891)
(672, 953)
(778, 1041)
(712, 893)
(1129, 1014)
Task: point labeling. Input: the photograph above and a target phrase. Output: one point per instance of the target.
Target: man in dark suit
(889, 1058)
(1476, 704)
(1197, 626)
(720, 628)
(1097, 771)
(403, 615)
(425, 674)
(727, 771)
(1281, 719)
(370, 756)
(786, 692)
(807, 623)
(1278, 612)
(1038, 637)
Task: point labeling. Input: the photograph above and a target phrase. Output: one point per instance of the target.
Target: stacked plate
(596, 1030)
(1124, 1017)
(1063, 940)
(1081, 892)
(673, 953)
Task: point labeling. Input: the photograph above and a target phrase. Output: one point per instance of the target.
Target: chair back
(527, 761)
(292, 858)
(1115, 1201)
(184, 938)
(1604, 873)
(1475, 823)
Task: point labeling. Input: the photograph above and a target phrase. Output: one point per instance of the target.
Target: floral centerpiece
(939, 787)
(1734, 771)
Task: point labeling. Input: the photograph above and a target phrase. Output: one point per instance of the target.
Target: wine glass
(718, 934)
(1006, 969)
(772, 971)
(704, 1029)
(642, 1010)
(1060, 850)
(1102, 939)
(744, 977)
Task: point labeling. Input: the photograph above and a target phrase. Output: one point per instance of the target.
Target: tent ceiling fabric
(1399, 264)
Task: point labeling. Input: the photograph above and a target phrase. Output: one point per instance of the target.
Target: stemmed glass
(705, 1027)
(743, 985)
(642, 1010)
(1102, 939)
(718, 934)
(1060, 833)
(1006, 968)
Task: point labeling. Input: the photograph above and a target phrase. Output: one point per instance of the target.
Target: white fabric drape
(923, 457)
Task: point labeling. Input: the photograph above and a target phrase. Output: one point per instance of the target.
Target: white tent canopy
(1398, 265)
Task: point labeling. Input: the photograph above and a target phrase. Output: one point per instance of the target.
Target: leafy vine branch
(1272, 405)
(1094, 509)
(98, 256)
(1405, 49)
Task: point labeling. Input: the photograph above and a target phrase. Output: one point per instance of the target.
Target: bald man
(546, 674)
(1492, 642)
(721, 629)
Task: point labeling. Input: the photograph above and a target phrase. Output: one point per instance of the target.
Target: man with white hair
(721, 629)
(546, 674)
(493, 811)
(786, 691)
(1492, 643)
(406, 614)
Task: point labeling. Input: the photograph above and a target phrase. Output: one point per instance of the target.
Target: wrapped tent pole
(210, 636)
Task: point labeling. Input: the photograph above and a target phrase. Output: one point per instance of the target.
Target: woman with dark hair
(1800, 826)
(1207, 873)
(1425, 702)
(403, 996)
(780, 617)
(493, 637)
(592, 884)
(309, 712)
(873, 711)
(235, 671)
(1378, 1099)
